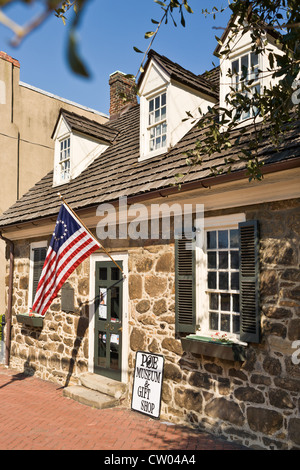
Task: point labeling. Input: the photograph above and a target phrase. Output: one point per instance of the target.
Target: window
(38, 253)
(217, 286)
(222, 249)
(64, 159)
(245, 73)
(157, 122)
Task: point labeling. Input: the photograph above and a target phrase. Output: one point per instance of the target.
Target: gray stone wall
(59, 351)
(255, 402)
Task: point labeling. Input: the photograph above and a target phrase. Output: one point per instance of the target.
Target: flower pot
(207, 347)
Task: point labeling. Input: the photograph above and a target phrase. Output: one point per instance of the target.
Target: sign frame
(138, 383)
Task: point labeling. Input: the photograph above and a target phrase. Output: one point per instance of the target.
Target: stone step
(90, 397)
(102, 384)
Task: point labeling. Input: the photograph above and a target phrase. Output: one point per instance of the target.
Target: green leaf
(137, 50)
(188, 8)
(74, 59)
(149, 34)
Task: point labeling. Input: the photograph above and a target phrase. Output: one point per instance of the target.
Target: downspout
(9, 302)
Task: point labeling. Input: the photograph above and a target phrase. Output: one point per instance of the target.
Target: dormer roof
(86, 126)
(179, 74)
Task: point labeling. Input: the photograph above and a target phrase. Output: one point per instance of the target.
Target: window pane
(236, 324)
(163, 99)
(223, 281)
(157, 102)
(235, 281)
(164, 141)
(225, 302)
(102, 274)
(115, 273)
(223, 259)
(235, 302)
(244, 66)
(157, 115)
(234, 260)
(163, 112)
(212, 280)
(225, 322)
(213, 301)
(211, 240)
(235, 67)
(223, 238)
(211, 260)
(151, 105)
(234, 238)
(213, 321)
(254, 59)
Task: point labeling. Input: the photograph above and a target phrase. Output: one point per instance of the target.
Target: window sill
(208, 347)
(27, 320)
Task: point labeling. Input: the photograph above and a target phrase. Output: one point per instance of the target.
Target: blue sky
(107, 34)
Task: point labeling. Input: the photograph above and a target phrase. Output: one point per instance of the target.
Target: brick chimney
(122, 94)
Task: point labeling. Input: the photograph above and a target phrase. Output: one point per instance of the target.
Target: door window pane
(114, 351)
(103, 274)
(101, 348)
(115, 304)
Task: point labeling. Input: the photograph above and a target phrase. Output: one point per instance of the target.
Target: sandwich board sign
(147, 383)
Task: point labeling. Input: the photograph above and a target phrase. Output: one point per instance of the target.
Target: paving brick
(36, 415)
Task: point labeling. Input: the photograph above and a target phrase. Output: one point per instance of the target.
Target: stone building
(242, 281)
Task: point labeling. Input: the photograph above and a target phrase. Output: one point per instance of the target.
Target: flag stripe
(54, 259)
(63, 277)
(65, 264)
(71, 244)
(65, 258)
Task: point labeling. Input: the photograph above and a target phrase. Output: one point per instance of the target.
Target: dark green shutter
(249, 281)
(185, 286)
(39, 256)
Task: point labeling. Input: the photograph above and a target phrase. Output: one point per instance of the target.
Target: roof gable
(179, 74)
(85, 126)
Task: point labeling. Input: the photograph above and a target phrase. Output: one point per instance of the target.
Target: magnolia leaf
(74, 59)
(149, 34)
(137, 50)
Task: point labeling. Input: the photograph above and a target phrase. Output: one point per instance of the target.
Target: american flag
(71, 244)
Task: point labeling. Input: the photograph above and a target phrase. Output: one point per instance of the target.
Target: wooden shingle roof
(117, 172)
(87, 126)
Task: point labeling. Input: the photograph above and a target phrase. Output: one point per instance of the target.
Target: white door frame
(93, 260)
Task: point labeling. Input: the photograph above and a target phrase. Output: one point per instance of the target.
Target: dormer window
(77, 142)
(245, 72)
(64, 159)
(157, 122)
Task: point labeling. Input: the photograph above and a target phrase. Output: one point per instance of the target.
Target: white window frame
(64, 175)
(153, 125)
(252, 73)
(145, 152)
(41, 244)
(202, 297)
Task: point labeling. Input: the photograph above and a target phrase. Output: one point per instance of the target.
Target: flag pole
(64, 201)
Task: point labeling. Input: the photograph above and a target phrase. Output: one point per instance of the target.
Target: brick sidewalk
(34, 415)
